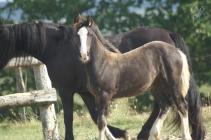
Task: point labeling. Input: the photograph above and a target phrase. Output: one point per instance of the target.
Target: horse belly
(134, 87)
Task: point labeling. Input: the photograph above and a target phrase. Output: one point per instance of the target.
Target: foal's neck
(105, 42)
(100, 52)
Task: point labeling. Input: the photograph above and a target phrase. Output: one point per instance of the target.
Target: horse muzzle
(84, 58)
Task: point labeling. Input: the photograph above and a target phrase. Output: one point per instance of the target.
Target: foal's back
(140, 67)
(155, 48)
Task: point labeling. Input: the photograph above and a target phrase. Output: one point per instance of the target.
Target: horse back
(143, 35)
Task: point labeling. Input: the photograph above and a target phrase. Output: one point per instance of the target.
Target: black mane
(105, 42)
(26, 39)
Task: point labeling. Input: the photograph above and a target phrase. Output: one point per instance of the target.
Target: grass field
(84, 129)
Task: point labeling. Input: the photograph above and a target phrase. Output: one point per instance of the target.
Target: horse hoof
(141, 139)
(127, 136)
(134, 139)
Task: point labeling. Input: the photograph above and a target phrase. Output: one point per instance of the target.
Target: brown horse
(157, 66)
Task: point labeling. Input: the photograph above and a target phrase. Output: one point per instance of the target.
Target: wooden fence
(44, 96)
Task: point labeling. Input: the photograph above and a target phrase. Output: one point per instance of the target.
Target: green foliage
(142, 103)
(7, 82)
(205, 92)
(8, 86)
(54, 10)
(116, 16)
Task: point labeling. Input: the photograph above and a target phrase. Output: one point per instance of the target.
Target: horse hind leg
(155, 132)
(185, 126)
(183, 90)
(182, 108)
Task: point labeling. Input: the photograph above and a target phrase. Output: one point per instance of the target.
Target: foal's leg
(102, 103)
(155, 132)
(144, 134)
(89, 100)
(185, 125)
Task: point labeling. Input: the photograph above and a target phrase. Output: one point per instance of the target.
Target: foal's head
(87, 36)
(81, 20)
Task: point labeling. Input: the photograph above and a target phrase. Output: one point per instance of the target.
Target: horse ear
(75, 20)
(90, 21)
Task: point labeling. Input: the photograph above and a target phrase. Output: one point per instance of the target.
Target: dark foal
(157, 66)
(138, 37)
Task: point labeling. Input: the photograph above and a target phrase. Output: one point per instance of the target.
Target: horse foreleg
(102, 124)
(89, 100)
(67, 102)
(155, 132)
(102, 100)
(103, 129)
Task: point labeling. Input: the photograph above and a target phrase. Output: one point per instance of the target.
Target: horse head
(80, 21)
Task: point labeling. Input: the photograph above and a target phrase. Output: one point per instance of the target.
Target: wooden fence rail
(44, 96)
(39, 97)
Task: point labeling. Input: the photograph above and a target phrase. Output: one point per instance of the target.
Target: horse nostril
(84, 57)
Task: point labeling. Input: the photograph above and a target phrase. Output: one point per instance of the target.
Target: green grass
(205, 90)
(21, 131)
(84, 129)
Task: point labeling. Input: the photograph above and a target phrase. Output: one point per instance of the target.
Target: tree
(53, 10)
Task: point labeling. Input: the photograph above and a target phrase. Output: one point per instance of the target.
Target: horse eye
(80, 25)
(75, 20)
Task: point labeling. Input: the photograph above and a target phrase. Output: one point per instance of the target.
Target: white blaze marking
(82, 32)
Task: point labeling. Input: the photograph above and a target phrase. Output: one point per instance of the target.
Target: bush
(142, 103)
(205, 94)
(206, 98)
(8, 86)
(79, 106)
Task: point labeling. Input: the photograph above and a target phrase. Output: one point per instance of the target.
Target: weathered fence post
(20, 87)
(47, 112)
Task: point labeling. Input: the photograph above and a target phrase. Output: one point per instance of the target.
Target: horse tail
(185, 75)
(193, 98)
(180, 43)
